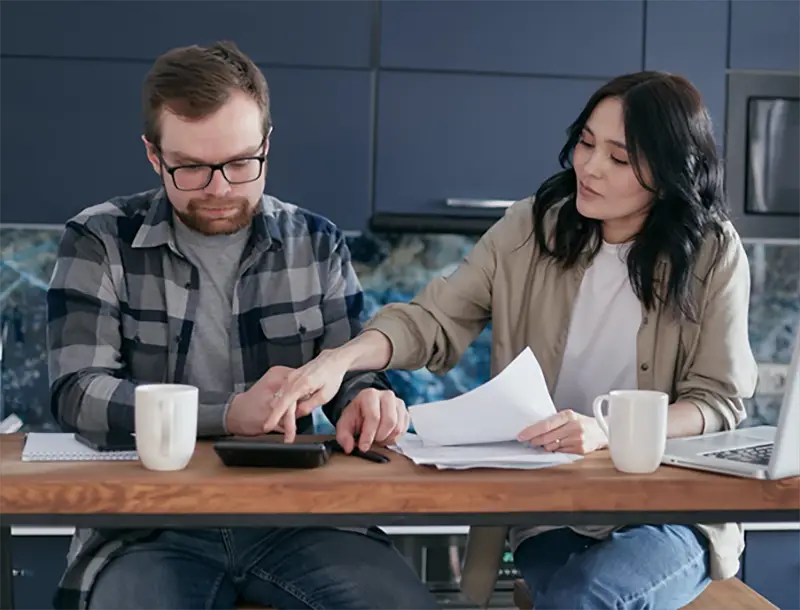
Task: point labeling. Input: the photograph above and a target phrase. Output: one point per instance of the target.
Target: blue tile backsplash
(391, 268)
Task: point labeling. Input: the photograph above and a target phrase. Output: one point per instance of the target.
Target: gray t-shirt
(217, 260)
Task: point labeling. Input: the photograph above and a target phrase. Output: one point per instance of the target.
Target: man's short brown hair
(194, 82)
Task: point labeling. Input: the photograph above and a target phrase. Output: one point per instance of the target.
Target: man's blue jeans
(282, 568)
(659, 567)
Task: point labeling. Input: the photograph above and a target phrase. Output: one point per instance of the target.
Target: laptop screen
(786, 453)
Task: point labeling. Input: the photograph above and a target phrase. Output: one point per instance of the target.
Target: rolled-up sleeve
(722, 371)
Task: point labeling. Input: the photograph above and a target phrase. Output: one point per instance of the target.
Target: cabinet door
(444, 136)
(39, 562)
(772, 566)
(765, 35)
(71, 137)
(312, 32)
(701, 54)
(320, 153)
(576, 38)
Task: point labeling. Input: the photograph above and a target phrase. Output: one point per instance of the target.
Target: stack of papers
(479, 428)
(511, 454)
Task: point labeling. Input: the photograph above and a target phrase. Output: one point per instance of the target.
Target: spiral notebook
(63, 447)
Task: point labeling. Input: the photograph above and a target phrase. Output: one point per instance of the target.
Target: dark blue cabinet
(71, 138)
(765, 35)
(312, 32)
(39, 562)
(444, 136)
(772, 566)
(581, 37)
(691, 39)
(320, 153)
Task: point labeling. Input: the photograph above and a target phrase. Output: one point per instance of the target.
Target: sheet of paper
(510, 454)
(496, 411)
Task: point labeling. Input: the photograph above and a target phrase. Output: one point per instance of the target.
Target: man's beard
(194, 218)
(240, 217)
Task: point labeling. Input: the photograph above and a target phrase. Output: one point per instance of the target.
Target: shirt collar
(157, 229)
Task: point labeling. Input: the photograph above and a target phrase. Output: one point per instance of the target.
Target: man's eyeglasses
(198, 176)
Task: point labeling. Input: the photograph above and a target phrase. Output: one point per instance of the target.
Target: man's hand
(249, 410)
(373, 416)
(566, 431)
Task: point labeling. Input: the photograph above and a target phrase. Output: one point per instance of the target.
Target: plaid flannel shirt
(121, 305)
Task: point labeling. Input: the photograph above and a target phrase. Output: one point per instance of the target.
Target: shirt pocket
(148, 352)
(292, 339)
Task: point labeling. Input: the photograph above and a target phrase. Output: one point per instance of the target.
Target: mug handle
(597, 409)
(167, 412)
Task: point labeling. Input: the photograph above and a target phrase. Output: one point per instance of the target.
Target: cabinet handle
(478, 203)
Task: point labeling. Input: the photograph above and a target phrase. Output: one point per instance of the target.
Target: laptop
(760, 452)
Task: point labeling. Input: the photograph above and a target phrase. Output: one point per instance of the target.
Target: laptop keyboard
(760, 454)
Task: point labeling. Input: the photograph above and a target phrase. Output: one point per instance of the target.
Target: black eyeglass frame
(213, 167)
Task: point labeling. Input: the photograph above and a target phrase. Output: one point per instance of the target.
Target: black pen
(370, 456)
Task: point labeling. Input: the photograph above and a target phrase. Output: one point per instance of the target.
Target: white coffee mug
(166, 425)
(636, 427)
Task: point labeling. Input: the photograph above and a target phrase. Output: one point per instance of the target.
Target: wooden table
(352, 491)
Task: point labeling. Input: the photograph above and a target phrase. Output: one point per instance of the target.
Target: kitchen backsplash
(391, 268)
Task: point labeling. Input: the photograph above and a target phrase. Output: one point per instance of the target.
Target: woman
(622, 272)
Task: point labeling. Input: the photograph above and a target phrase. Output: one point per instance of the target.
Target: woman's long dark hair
(668, 132)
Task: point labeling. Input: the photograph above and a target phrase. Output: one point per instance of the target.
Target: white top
(600, 355)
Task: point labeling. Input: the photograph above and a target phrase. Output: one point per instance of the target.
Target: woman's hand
(317, 382)
(566, 431)
(306, 388)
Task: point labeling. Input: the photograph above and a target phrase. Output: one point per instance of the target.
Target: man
(207, 281)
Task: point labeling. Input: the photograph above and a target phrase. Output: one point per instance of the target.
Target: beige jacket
(528, 300)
